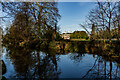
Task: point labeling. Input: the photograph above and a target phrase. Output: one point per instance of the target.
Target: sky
(73, 14)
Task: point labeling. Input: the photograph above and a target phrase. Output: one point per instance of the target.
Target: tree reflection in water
(34, 64)
(103, 66)
(43, 64)
(102, 71)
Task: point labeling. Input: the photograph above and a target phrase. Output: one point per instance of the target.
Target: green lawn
(79, 40)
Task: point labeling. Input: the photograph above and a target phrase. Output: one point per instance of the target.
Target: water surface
(40, 64)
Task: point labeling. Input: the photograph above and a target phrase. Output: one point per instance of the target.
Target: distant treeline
(79, 35)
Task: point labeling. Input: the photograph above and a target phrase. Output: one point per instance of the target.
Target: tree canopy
(31, 20)
(79, 35)
(105, 17)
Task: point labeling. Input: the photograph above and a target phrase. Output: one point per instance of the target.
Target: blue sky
(72, 14)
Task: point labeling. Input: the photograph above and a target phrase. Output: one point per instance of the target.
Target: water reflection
(77, 60)
(33, 64)
(103, 69)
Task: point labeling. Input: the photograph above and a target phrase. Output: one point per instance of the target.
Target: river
(33, 64)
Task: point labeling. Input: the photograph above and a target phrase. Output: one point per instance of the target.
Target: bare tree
(44, 14)
(103, 16)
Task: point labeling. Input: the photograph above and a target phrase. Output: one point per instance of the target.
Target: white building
(66, 35)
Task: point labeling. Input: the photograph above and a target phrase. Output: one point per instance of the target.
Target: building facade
(66, 35)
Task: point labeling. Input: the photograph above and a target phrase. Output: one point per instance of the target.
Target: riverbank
(80, 46)
(111, 50)
(4, 69)
(104, 40)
